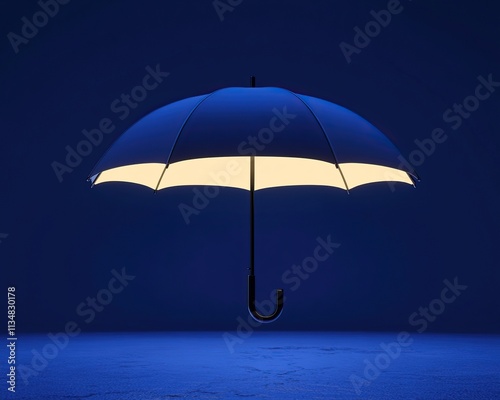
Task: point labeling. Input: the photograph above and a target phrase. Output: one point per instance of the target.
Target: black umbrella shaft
(252, 219)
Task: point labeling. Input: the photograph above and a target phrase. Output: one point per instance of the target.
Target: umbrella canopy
(252, 139)
(296, 140)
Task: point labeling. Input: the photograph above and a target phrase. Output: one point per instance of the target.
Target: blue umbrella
(252, 138)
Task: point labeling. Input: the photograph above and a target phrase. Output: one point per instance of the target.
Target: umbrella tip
(252, 81)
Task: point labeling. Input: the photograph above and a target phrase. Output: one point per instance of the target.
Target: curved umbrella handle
(251, 303)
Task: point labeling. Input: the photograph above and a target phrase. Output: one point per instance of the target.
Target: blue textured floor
(296, 365)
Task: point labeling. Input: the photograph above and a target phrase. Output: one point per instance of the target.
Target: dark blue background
(396, 247)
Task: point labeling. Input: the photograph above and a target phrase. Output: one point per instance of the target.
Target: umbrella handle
(251, 303)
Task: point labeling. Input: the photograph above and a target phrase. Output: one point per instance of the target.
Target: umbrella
(252, 138)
